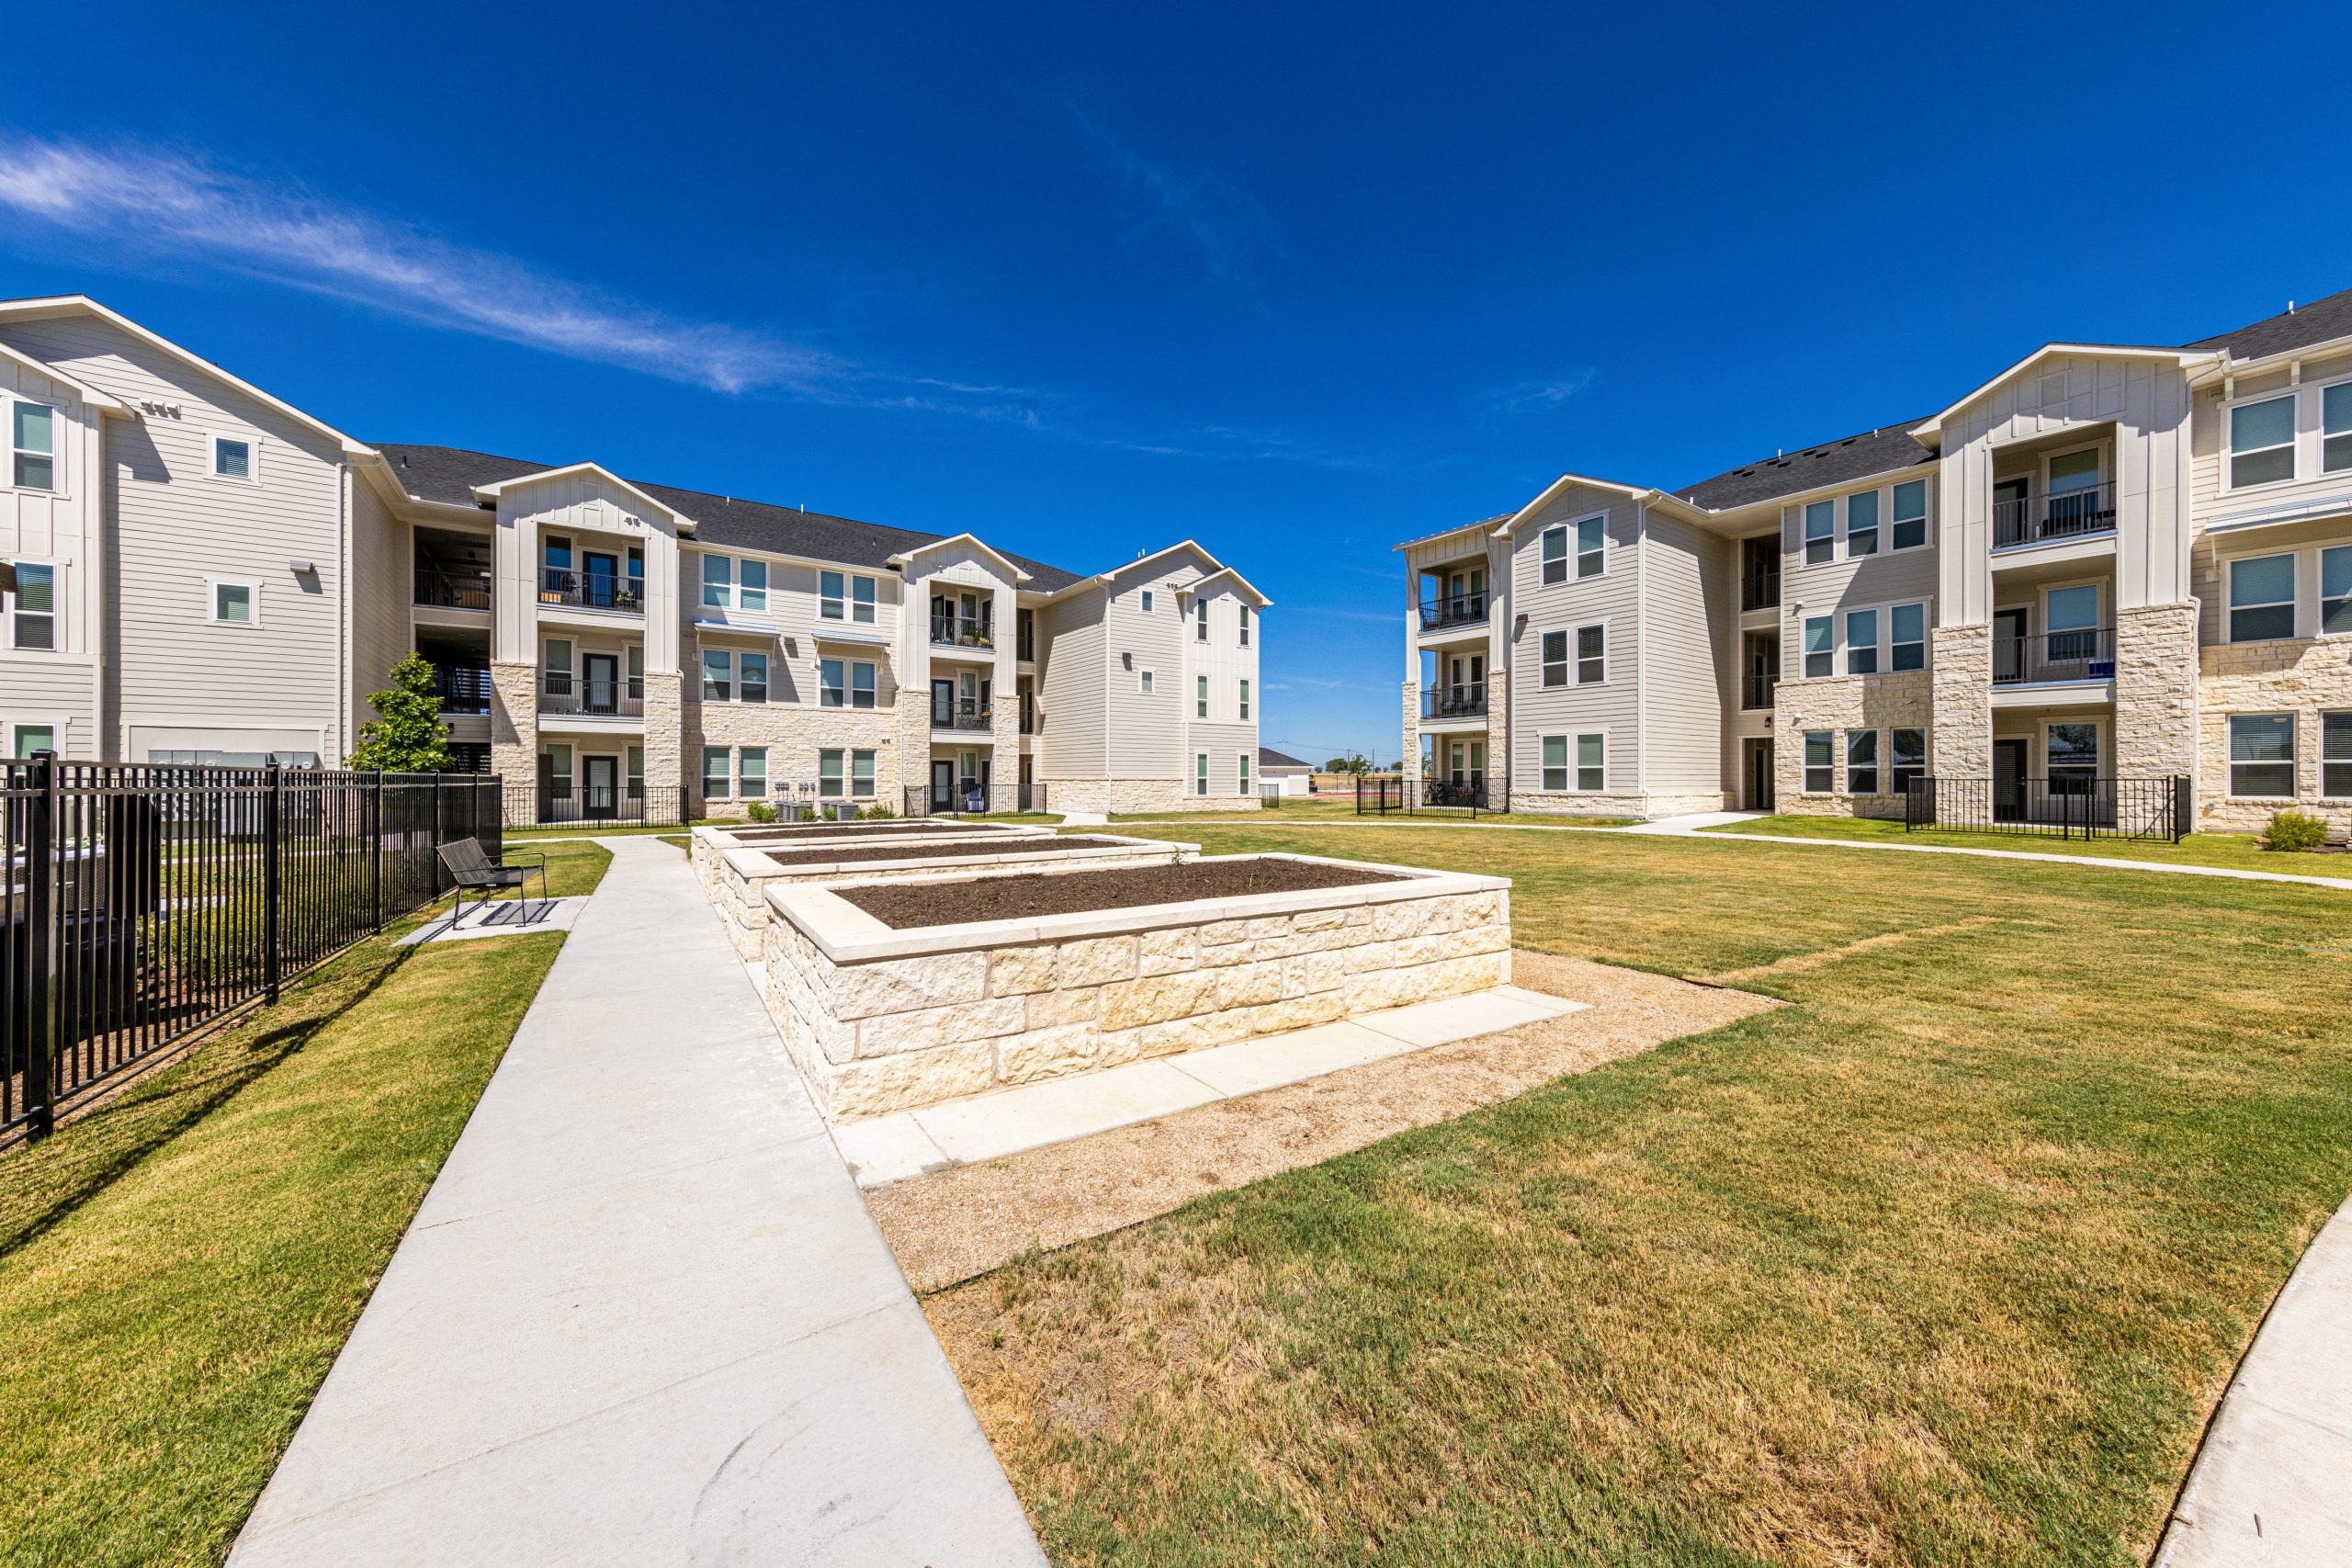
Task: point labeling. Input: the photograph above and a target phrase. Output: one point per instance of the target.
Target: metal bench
(469, 867)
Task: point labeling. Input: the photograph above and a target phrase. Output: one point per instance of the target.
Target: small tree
(406, 735)
(1354, 763)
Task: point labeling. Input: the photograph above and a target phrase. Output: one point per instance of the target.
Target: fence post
(272, 847)
(376, 850)
(42, 1021)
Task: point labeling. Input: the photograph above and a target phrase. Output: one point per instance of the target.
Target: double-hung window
(1143, 682)
(1861, 642)
(2262, 442)
(1862, 761)
(2336, 755)
(715, 781)
(1909, 760)
(1592, 763)
(558, 772)
(717, 583)
(2262, 598)
(558, 660)
(751, 773)
(1244, 712)
(1593, 544)
(32, 439)
(861, 774)
(861, 684)
(1555, 659)
(1244, 610)
(1146, 601)
(1820, 532)
(751, 585)
(754, 687)
(2262, 755)
(232, 458)
(1199, 620)
(1907, 640)
(1862, 524)
(831, 690)
(32, 737)
(1910, 514)
(635, 761)
(718, 674)
(2335, 428)
(1556, 764)
(1556, 557)
(2336, 590)
(1593, 655)
(1199, 772)
(1200, 696)
(637, 672)
(1820, 762)
(829, 775)
(833, 596)
(1241, 762)
(32, 613)
(1820, 647)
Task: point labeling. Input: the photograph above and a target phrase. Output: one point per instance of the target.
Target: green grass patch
(1944, 1264)
(2237, 851)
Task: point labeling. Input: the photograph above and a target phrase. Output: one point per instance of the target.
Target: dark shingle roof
(2318, 321)
(449, 474)
(1270, 757)
(1884, 450)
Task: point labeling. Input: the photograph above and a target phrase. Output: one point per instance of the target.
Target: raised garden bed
(882, 1018)
(942, 850)
(710, 843)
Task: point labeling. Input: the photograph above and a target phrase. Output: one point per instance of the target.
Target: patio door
(2009, 644)
(600, 673)
(942, 705)
(1759, 775)
(943, 785)
(601, 571)
(601, 776)
(2011, 757)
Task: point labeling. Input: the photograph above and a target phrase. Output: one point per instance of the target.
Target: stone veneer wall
(794, 733)
(1906, 700)
(1411, 754)
(2303, 677)
(2155, 692)
(876, 1037)
(664, 740)
(514, 732)
(1497, 729)
(1961, 746)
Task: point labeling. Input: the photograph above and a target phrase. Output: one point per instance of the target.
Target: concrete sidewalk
(2273, 1484)
(642, 1316)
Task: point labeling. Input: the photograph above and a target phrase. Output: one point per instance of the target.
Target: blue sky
(1299, 282)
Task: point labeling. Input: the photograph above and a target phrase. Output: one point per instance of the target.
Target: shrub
(877, 812)
(762, 811)
(2293, 829)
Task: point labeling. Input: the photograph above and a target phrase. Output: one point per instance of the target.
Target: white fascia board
(1930, 431)
(1143, 561)
(1226, 571)
(1662, 500)
(907, 558)
(492, 491)
(2222, 364)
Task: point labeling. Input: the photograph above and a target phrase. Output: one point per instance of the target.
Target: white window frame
(1199, 772)
(1242, 621)
(1200, 696)
(2294, 443)
(12, 602)
(1576, 762)
(12, 735)
(1146, 682)
(861, 786)
(1545, 558)
(560, 779)
(1806, 540)
(1241, 771)
(1146, 600)
(1847, 646)
(832, 605)
(743, 676)
(2319, 425)
(2294, 759)
(726, 772)
(1241, 712)
(1201, 620)
(1805, 766)
(2343, 763)
(744, 591)
(865, 600)
(1925, 519)
(1927, 642)
(1846, 525)
(252, 458)
(1568, 660)
(212, 586)
(871, 690)
(1894, 764)
(1576, 653)
(1597, 553)
(1543, 768)
(837, 786)
(1877, 770)
(725, 658)
(2293, 601)
(2319, 590)
(834, 694)
(56, 485)
(1806, 653)
(742, 774)
(723, 585)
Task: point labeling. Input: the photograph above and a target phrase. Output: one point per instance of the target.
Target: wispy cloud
(1537, 396)
(1222, 221)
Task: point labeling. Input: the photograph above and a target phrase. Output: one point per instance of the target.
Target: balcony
(457, 589)
(463, 691)
(961, 631)
(2085, 655)
(1468, 700)
(1755, 691)
(1028, 713)
(965, 717)
(1454, 610)
(562, 691)
(592, 589)
(2068, 514)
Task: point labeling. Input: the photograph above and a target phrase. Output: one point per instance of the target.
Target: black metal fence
(2060, 807)
(980, 800)
(139, 903)
(569, 803)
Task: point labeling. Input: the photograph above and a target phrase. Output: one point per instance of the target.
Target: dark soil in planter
(1031, 894)
(761, 832)
(953, 849)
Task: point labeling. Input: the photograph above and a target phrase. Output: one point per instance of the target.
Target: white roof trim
(1225, 572)
(906, 557)
(81, 304)
(1930, 429)
(1662, 500)
(492, 491)
(1146, 559)
(103, 401)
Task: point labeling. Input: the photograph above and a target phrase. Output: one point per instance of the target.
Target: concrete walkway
(643, 1316)
(2273, 1484)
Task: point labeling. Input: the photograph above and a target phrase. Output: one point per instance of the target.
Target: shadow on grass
(41, 1185)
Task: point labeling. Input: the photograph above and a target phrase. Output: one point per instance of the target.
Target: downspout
(1642, 654)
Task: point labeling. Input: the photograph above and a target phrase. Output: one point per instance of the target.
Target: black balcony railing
(2061, 807)
(591, 590)
(1759, 590)
(2034, 519)
(1453, 610)
(463, 691)
(961, 631)
(1755, 691)
(562, 692)
(569, 800)
(2085, 655)
(969, 797)
(1464, 700)
(452, 589)
(961, 716)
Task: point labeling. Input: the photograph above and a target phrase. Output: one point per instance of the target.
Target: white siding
(59, 686)
(1071, 713)
(1612, 598)
(1686, 655)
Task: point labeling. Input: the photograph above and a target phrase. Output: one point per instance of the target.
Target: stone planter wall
(708, 844)
(880, 1019)
(743, 876)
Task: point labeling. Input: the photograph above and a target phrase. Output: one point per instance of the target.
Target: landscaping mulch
(1031, 894)
(990, 848)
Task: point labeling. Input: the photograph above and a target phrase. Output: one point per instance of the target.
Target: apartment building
(2107, 564)
(206, 573)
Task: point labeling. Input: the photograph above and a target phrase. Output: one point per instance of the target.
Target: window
(636, 669)
(233, 601)
(1820, 762)
(1555, 659)
(751, 585)
(32, 737)
(635, 771)
(717, 583)
(831, 690)
(1910, 758)
(1201, 697)
(754, 688)
(2335, 428)
(2262, 442)
(1242, 764)
(715, 773)
(861, 774)
(558, 679)
(1556, 560)
(1907, 625)
(1861, 642)
(833, 596)
(33, 621)
(1244, 712)
(1862, 524)
(751, 773)
(1199, 620)
(2262, 598)
(829, 775)
(718, 674)
(33, 436)
(1591, 544)
(1243, 612)
(560, 772)
(2336, 755)
(232, 460)
(1556, 763)
(1146, 601)
(1143, 682)
(2262, 755)
(2073, 758)
(1820, 647)
(1592, 661)
(1592, 763)
(2336, 591)
(1820, 532)
(861, 684)
(1199, 772)
(1910, 514)
(1862, 761)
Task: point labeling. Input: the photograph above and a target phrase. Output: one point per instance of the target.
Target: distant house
(1280, 773)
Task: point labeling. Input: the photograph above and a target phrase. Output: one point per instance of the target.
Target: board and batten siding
(1613, 598)
(176, 527)
(57, 686)
(1071, 714)
(594, 514)
(1686, 656)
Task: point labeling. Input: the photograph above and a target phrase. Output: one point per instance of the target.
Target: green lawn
(2237, 850)
(1944, 1264)
(178, 1269)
